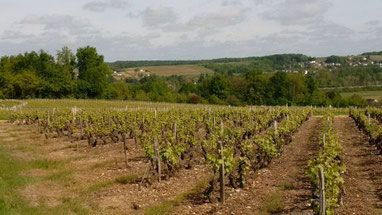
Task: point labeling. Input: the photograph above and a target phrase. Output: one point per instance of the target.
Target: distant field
(238, 63)
(365, 94)
(376, 57)
(7, 103)
(184, 70)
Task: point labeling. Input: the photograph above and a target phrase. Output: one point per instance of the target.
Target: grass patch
(127, 179)
(274, 203)
(45, 164)
(70, 206)
(287, 186)
(364, 94)
(7, 104)
(120, 180)
(11, 180)
(59, 176)
(101, 164)
(167, 206)
(98, 186)
(4, 115)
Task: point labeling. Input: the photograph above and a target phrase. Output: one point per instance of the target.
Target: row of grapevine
(328, 159)
(234, 142)
(368, 126)
(241, 151)
(376, 113)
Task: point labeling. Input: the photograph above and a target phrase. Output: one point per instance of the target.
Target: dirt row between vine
(281, 188)
(363, 177)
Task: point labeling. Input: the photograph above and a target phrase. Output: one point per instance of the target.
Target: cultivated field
(377, 58)
(181, 70)
(101, 157)
(365, 94)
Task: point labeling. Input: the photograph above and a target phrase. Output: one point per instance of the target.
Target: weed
(274, 203)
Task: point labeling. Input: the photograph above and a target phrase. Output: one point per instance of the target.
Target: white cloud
(158, 17)
(294, 12)
(183, 29)
(59, 22)
(223, 18)
(100, 6)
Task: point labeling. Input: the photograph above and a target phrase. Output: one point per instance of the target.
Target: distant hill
(278, 59)
(146, 63)
(372, 53)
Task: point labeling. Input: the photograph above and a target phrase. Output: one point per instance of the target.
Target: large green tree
(94, 73)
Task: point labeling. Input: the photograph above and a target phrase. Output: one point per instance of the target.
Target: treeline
(349, 76)
(267, 64)
(278, 61)
(41, 75)
(86, 75)
(143, 63)
(252, 88)
(372, 53)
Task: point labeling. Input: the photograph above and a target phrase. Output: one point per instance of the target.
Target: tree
(334, 59)
(93, 70)
(219, 86)
(280, 87)
(66, 61)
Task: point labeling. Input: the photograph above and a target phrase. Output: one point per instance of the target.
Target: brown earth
(363, 177)
(281, 188)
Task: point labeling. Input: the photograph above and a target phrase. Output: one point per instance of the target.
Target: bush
(194, 99)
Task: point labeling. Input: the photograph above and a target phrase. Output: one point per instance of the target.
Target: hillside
(180, 70)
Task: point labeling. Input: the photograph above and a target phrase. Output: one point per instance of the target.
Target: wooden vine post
(368, 117)
(323, 141)
(322, 191)
(124, 147)
(74, 111)
(275, 125)
(174, 130)
(81, 127)
(133, 132)
(222, 191)
(156, 148)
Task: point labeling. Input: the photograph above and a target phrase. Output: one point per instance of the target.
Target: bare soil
(281, 188)
(363, 177)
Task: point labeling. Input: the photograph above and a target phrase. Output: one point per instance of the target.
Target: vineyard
(90, 157)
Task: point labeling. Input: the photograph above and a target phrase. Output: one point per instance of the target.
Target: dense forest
(259, 82)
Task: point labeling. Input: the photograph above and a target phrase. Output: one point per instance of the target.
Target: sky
(192, 29)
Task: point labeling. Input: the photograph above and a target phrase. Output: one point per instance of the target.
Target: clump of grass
(4, 115)
(70, 206)
(59, 176)
(127, 179)
(166, 206)
(286, 186)
(274, 203)
(45, 164)
(98, 186)
(101, 164)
